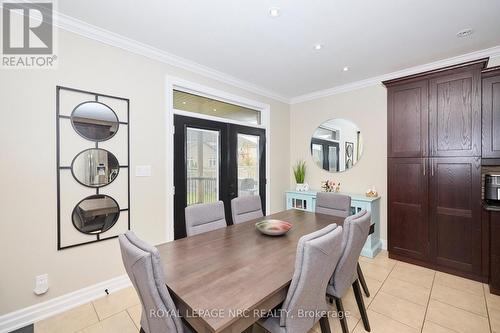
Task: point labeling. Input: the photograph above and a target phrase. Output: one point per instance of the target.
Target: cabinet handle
(432, 168)
(423, 165)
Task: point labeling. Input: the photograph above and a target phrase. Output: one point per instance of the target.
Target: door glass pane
(317, 153)
(248, 164)
(332, 158)
(202, 166)
(193, 103)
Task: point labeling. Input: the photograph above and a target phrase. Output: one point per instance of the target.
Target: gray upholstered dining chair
(333, 204)
(338, 205)
(356, 228)
(201, 218)
(142, 263)
(316, 259)
(246, 208)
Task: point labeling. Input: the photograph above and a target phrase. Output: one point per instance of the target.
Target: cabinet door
(408, 227)
(408, 119)
(494, 220)
(455, 203)
(455, 114)
(491, 117)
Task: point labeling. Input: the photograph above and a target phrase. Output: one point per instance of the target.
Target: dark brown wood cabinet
(455, 213)
(493, 219)
(408, 217)
(434, 169)
(491, 113)
(408, 110)
(455, 113)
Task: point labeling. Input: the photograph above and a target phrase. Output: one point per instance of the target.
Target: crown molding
(93, 32)
(492, 52)
(90, 31)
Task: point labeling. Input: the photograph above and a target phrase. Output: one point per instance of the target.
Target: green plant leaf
(299, 171)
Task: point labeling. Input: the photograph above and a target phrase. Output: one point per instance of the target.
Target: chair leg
(363, 282)
(325, 325)
(259, 329)
(342, 317)
(142, 330)
(361, 305)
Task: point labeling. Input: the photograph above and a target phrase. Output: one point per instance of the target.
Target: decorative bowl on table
(273, 227)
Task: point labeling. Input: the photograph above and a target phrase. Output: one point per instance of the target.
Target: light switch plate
(143, 171)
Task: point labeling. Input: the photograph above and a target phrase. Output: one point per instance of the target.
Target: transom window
(198, 104)
(325, 133)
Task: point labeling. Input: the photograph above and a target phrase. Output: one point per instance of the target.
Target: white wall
(28, 166)
(367, 108)
(494, 62)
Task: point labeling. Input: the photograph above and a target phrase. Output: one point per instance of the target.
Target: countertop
(354, 196)
(492, 208)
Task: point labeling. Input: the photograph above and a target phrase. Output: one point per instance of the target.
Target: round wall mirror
(336, 145)
(94, 121)
(95, 214)
(95, 167)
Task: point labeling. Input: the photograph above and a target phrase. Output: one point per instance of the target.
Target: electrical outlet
(41, 284)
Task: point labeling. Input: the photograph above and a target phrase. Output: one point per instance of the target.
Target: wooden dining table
(225, 280)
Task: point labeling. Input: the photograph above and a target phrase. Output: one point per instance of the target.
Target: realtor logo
(27, 35)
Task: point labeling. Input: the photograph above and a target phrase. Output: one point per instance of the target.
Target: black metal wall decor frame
(70, 190)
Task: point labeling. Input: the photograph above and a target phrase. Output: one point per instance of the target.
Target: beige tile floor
(404, 298)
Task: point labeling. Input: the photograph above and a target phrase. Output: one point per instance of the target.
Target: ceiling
(240, 39)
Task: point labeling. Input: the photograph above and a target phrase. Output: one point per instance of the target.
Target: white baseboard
(23, 317)
(384, 243)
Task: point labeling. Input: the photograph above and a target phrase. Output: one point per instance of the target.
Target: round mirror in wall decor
(83, 166)
(94, 121)
(95, 214)
(95, 167)
(336, 145)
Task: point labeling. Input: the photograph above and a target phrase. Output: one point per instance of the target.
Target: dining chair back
(339, 205)
(142, 263)
(246, 208)
(356, 228)
(333, 204)
(201, 218)
(317, 256)
(348, 272)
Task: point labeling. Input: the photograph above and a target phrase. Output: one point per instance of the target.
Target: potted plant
(299, 171)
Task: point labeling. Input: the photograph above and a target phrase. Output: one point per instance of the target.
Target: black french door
(326, 154)
(216, 161)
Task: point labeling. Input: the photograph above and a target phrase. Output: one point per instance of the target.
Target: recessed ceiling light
(274, 12)
(184, 103)
(215, 110)
(345, 69)
(465, 32)
(318, 46)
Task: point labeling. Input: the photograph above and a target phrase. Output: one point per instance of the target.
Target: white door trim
(198, 89)
(213, 118)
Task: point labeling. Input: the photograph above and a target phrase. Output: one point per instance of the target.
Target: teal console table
(307, 201)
